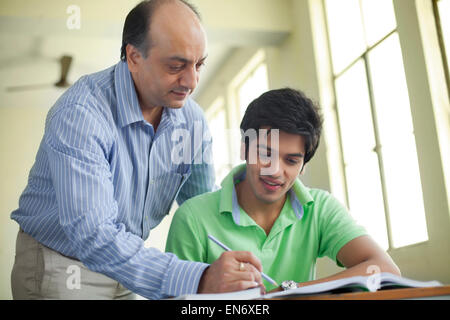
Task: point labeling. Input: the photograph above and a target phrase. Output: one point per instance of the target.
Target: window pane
(361, 164)
(217, 126)
(444, 15)
(402, 177)
(345, 31)
(379, 19)
(253, 87)
(365, 196)
(355, 116)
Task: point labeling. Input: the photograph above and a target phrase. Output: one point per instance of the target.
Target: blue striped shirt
(103, 178)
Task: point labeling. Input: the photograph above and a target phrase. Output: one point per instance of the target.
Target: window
(252, 87)
(247, 85)
(226, 111)
(442, 13)
(377, 136)
(216, 116)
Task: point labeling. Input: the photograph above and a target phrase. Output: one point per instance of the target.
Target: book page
(248, 294)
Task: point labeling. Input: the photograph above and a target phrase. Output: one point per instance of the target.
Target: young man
(103, 176)
(263, 207)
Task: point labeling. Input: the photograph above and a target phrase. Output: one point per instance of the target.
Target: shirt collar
(128, 108)
(298, 194)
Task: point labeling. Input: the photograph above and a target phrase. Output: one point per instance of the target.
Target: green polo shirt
(311, 224)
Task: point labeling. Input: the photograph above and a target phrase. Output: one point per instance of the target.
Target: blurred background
(379, 69)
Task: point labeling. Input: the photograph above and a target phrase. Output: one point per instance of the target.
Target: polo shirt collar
(128, 108)
(298, 194)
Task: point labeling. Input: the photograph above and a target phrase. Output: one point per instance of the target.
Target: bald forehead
(175, 8)
(175, 20)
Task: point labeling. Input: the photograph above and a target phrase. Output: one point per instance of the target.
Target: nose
(190, 78)
(272, 166)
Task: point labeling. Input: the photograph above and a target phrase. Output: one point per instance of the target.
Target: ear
(133, 58)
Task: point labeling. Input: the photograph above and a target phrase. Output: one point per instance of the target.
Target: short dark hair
(288, 110)
(137, 23)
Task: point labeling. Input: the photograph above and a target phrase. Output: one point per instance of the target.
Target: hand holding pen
(233, 271)
(241, 266)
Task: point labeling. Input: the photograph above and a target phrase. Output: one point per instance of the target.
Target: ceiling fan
(65, 63)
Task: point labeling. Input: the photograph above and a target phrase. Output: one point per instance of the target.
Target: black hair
(288, 110)
(137, 23)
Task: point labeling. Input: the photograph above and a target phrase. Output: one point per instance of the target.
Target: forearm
(365, 268)
(145, 271)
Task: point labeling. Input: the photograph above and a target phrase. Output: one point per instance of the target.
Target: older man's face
(178, 51)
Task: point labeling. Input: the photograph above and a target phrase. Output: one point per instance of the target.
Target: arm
(361, 257)
(202, 178)
(344, 241)
(78, 144)
(347, 243)
(358, 256)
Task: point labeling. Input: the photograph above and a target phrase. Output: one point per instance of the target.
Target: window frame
(364, 57)
(437, 17)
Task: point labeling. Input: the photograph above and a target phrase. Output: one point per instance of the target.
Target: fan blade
(65, 61)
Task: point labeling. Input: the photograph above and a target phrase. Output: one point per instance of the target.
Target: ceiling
(35, 33)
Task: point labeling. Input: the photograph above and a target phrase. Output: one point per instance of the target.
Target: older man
(105, 173)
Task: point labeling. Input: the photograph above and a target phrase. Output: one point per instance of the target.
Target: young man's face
(285, 161)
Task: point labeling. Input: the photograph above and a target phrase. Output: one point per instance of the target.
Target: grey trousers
(42, 273)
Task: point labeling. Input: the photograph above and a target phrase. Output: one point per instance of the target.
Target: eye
(293, 161)
(176, 68)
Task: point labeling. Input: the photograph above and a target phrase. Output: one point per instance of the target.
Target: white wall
(21, 129)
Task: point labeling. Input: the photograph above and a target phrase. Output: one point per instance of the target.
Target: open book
(374, 282)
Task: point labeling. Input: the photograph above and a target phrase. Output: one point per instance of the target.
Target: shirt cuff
(183, 278)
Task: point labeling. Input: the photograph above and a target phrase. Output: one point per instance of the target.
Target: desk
(393, 294)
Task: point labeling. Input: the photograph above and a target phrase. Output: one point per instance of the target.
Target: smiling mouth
(271, 185)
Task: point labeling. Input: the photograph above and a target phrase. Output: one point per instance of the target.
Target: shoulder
(203, 206)
(325, 206)
(91, 94)
(83, 114)
(332, 213)
(324, 199)
(87, 101)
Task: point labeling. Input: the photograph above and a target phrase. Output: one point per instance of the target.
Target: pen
(220, 244)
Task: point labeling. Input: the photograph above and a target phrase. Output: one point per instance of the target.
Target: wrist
(203, 281)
